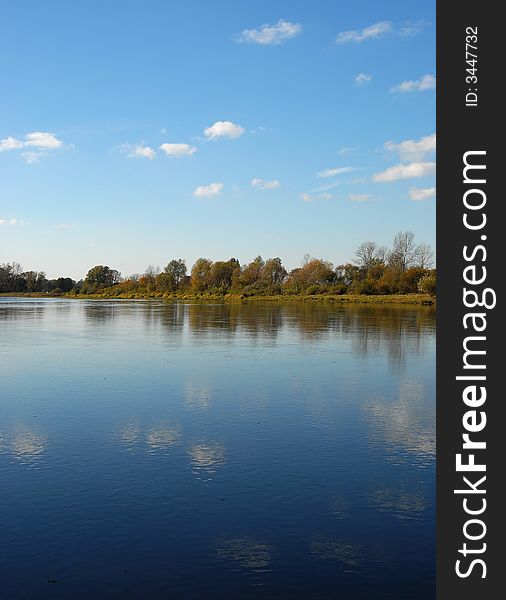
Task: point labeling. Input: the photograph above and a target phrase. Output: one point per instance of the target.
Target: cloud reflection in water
(248, 552)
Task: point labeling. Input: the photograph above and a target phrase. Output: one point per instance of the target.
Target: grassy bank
(422, 299)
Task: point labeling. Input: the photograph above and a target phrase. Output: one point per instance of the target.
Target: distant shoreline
(418, 299)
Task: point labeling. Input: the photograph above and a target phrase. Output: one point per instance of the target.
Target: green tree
(175, 274)
(200, 274)
(102, 276)
(222, 273)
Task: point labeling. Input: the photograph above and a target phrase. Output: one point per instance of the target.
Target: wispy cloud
(380, 29)
(12, 221)
(178, 150)
(411, 28)
(418, 194)
(32, 157)
(414, 150)
(265, 185)
(65, 226)
(427, 82)
(357, 36)
(306, 197)
(225, 129)
(270, 34)
(406, 171)
(213, 189)
(359, 197)
(362, 79)
(347, 150)
(335, 171)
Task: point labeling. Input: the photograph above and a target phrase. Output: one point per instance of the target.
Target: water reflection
(26, 444)
(340, 507)
(197, 396)
(16, 310)
(336, 549)
(129, 435)
(206, 458)
(397, 331)
(247, 446)
(153, 439)
(406, 424)
(248, 552)
(162, 437)
(100, 311)
(403, 504)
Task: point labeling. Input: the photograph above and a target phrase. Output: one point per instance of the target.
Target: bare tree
(150, 275)
(403, 253)
(424, 256)
(366, 254)
(381, 254)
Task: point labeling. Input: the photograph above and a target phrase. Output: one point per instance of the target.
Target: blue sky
(134, 132)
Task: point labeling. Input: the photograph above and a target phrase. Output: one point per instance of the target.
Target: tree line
(404, 268)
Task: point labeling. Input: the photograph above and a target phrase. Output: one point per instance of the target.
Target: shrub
(427, 284)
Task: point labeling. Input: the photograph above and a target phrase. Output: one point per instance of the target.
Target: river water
(259, 450)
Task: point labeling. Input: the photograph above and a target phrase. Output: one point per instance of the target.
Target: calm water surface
(152, 450)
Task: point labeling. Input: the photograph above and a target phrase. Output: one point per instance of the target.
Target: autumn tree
(251, 272)
(273, 272)
(314, 272)
(200, 274)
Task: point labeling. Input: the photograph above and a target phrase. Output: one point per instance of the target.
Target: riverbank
(421, 299)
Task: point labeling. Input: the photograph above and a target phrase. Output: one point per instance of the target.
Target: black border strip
(460, 129)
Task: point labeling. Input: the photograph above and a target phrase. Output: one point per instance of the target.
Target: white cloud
(42, 139)
(362, 79)
(32, 157)
(11, 222)
(178, 150)
(138, 151)
(213, 189)
(427, 82)
(313, 197)
(10, 143)
(223, 129)
(359, 197)
(422, 193)
(144, 152)
(357, 36)
(265, 185)
(335, 171)
(413, 150)
(270, 34)
(65, 226)
(406, 171)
